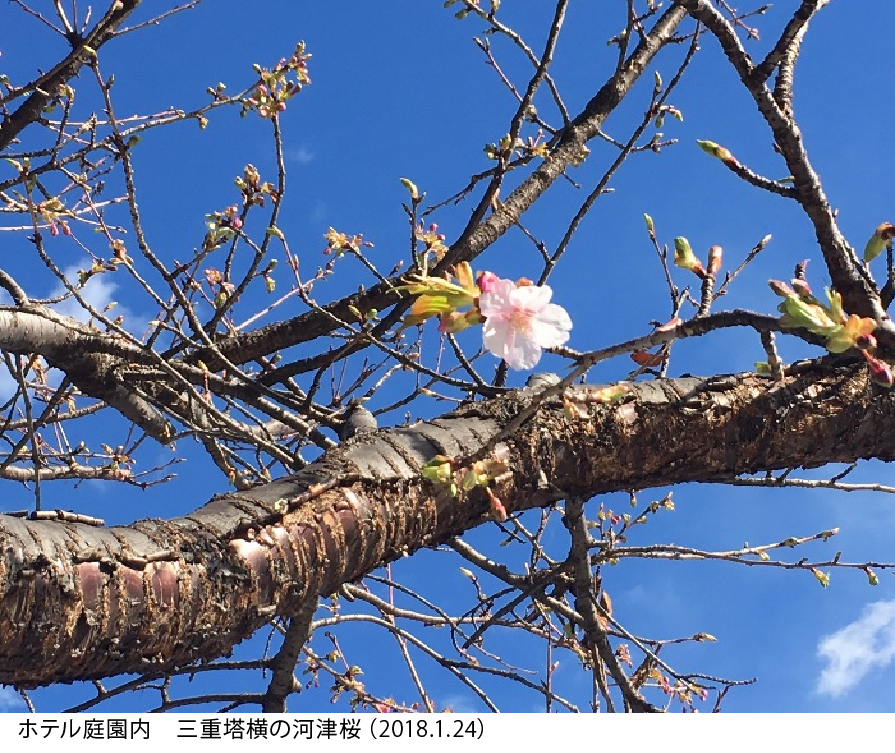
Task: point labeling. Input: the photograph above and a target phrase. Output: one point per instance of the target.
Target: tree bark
(80, 602)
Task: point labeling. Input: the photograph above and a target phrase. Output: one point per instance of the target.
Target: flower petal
(555, 315)
(520, 322)
(497, 336)
(548, 337)
(517, 348)
(531, 297)
(524, 354)
(496, 302)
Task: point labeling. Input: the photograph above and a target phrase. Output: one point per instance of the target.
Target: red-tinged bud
(645, 358)
(715, 254)
(880, 371)
(802, 288)
(670, 324)
(498, 511)
(781, 288)
(486, 281)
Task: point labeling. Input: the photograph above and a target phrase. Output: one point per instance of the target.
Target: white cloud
(852, 652)
(302, 155)
(99, 292)
(10, 700)
(459, 704)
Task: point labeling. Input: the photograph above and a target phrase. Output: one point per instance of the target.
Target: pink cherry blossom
(520, 322)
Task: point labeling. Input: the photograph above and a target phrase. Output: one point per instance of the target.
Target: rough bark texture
(80, 602)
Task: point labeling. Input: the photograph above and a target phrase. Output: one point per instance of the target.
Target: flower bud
(685, 258)
(880, 371)
(717, 151)
(881, 239)
(486, 280)
(411, 188)
(781, 288)
(715, 254)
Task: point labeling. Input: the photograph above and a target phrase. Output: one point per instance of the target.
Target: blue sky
(400, 90)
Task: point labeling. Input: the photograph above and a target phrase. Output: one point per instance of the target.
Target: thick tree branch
(849, 277)
(87, 358)
(586, 604)
(81, 602)
(45, 88)
(283, 682)
(789, 39)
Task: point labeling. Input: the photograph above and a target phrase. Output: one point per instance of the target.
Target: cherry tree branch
(848, 275)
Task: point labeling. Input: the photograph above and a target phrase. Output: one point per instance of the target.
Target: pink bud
(781, 288)
(498, 511)
(801, 287)
(880, 371)
(715, 255)
(486, 281)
